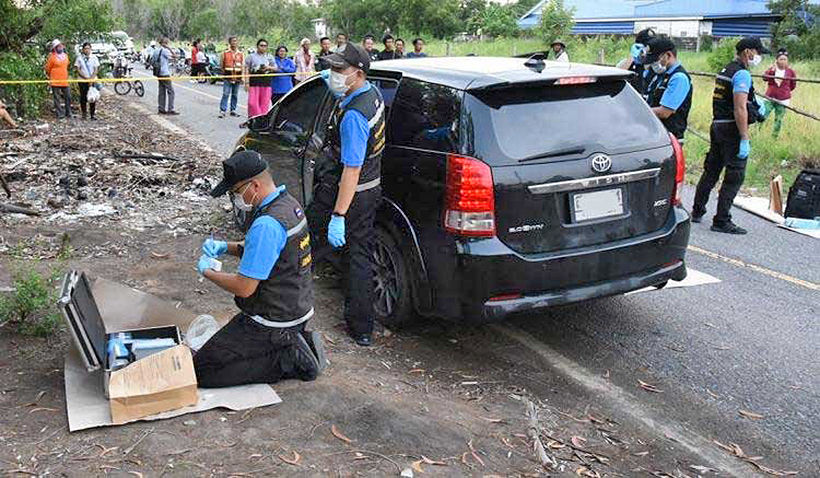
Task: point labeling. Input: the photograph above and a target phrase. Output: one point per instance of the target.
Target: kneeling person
(266, 342)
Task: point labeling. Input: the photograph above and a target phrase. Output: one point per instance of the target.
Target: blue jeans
(232, 90)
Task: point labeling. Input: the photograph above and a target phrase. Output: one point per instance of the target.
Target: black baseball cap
(644, 36)
(753, 43)
(657, 47)
(350, 54)
(240, 166)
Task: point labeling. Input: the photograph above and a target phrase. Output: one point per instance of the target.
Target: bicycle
(124, 87)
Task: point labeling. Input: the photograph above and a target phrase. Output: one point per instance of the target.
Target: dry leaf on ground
(292, 460)
(752, 415)
(649, 387)
(341, 436)
(428, 461)
(578, 441)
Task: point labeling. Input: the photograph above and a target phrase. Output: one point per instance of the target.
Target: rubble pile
(124, 170)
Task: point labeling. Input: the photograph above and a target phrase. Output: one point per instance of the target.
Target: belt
(368, 185)
(281, 325)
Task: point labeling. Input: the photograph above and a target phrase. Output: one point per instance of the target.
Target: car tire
(392, 299)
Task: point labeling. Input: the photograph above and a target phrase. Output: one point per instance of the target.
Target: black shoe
(160, 112)
(309, 367)
(172, 113)
(697, 218)
(317, 346)
(233, 113)
(363, 340)
(729, 228)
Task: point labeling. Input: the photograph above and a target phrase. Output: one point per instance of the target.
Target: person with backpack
(161, 63)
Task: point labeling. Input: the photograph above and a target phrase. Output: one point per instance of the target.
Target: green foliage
(498, 21)
(556, 21)
(32, 305)
(75, 21)
(794, 32)
(24, 100)
(722, 54)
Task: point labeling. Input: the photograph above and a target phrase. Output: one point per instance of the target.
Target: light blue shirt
(677, 88)
(742, 81)
(164, 56)
(263, 243)
(354, 131)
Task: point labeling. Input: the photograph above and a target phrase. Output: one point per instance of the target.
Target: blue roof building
(675, 18)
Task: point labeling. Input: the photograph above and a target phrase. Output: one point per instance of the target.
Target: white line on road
(625, 402)
(756, 268)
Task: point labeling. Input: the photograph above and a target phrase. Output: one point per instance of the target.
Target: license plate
(597, 205)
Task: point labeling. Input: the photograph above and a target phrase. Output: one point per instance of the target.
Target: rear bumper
(488, 269)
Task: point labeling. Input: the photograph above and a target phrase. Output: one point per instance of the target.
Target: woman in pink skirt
(258, 88)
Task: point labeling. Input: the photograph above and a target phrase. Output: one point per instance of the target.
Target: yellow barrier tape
(146, 78)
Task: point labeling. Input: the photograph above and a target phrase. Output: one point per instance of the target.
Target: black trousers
(84, 105)
(722, 155)
(358, 260)
(245, 351)
(62, 101)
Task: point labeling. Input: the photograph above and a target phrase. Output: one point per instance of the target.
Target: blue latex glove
(205, 263)
(745, 149)
(212, 248)
(636, 50)
(336, 231)
(762, 110)
(325, 74)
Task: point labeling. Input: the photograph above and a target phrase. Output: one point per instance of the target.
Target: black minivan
(509, 184)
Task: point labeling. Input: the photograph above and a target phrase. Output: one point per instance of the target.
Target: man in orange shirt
(57, 71)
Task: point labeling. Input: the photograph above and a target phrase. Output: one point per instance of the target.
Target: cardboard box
(157, 383)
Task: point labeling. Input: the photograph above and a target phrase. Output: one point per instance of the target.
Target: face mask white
(658, 68)
(239, 203)
(756, 60)
(338, 83)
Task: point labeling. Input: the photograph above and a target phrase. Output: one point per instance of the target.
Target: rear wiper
(557, 152)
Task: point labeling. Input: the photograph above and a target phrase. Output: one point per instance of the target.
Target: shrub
(32, 305)
(25, 100)
(722, 54)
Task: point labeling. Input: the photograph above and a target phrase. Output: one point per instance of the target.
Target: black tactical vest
(287, 293)
(638, 81)
(723, 100)
(371, 105)
(675, 124)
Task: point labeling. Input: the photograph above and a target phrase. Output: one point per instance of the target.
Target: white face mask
(239, 203)
(756, 60)
(658, 68)
(338, 83)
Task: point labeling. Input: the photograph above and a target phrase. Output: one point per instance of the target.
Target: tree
(556, 21)
(498, 21)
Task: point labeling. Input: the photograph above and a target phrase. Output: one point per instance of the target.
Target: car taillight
(575, 80)
(469, 204)
(680, 170)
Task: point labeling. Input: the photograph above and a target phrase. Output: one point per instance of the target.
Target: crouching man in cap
(267, 341)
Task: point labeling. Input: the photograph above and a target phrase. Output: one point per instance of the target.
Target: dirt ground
(434, 399)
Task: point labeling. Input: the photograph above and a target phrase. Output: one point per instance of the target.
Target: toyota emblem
(601, 163)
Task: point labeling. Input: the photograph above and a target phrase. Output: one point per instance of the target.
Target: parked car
(509, 186)
(124, 44)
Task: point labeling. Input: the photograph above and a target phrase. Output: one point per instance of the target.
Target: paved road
(748, 342)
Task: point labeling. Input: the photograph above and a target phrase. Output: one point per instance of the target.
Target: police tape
(152, 78)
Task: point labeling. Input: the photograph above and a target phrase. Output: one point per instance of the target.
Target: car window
(511, 124)
(297, 110)
(425, 115)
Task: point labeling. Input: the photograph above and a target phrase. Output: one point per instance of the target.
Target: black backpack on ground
(804, 195)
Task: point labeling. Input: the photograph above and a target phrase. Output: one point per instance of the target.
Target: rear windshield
(531, 121)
